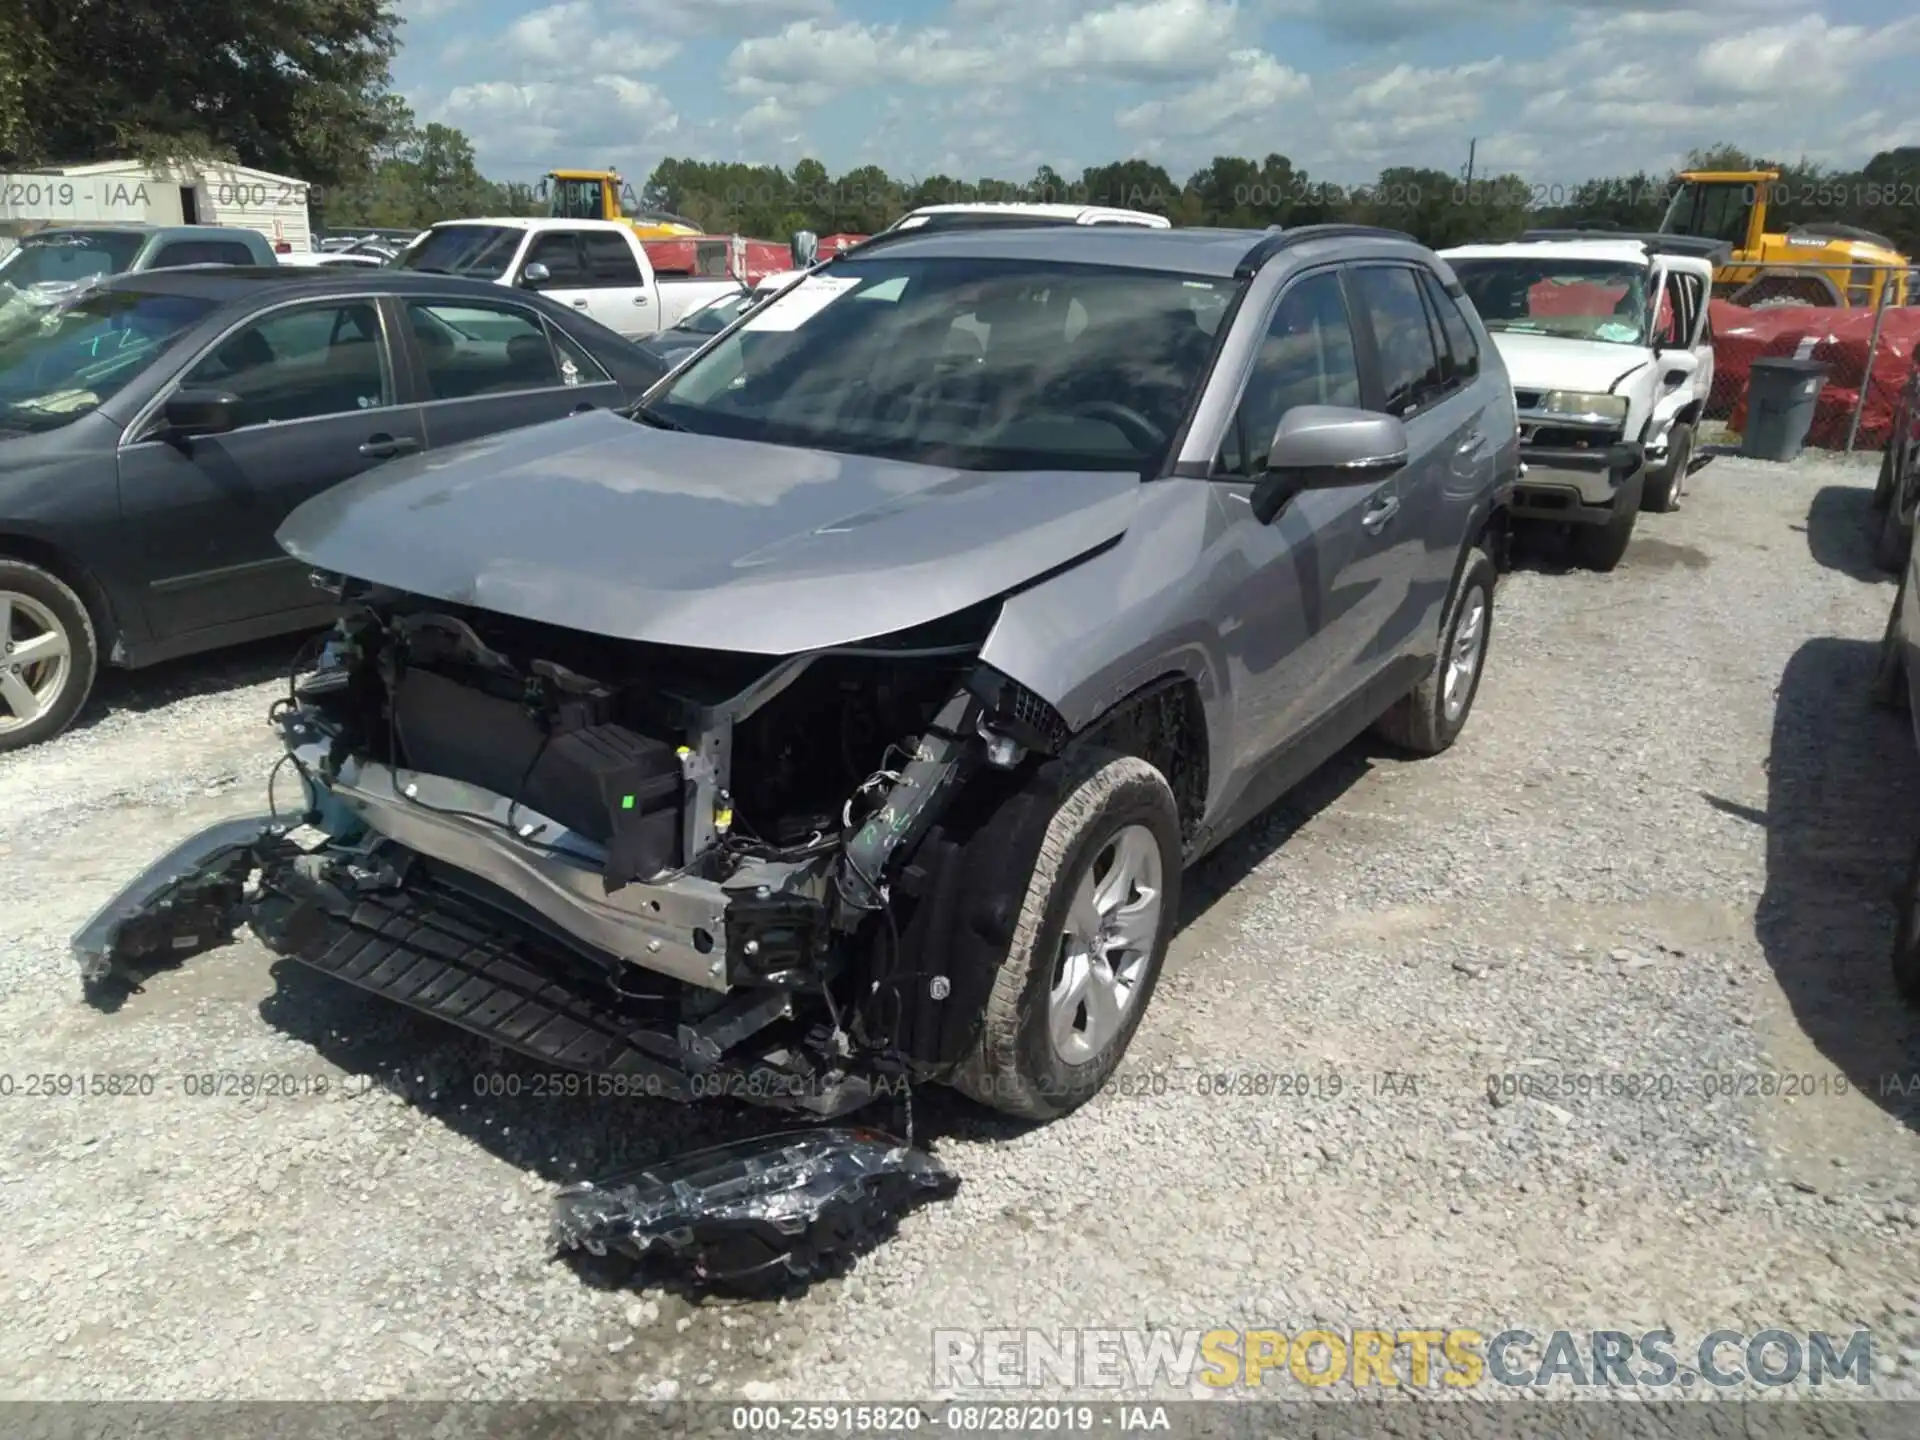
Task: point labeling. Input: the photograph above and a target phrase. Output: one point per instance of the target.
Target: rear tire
(1662, 491)
(1061, 1011)
(1883, 485)
(1892, 540)
(40, 616)
(1603, 547)
(1890, 675)
(1906, 936)
(1430, 717)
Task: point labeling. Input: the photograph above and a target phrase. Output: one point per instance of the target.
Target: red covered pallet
(1837, 337)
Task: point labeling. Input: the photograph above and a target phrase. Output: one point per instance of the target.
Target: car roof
(124, 227)
(529, 222)
(1191, 250)
(1626, 252)
(1079, 214)
(225, 283)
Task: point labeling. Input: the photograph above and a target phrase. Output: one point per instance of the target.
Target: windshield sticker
(1614, 330)
(793, 308)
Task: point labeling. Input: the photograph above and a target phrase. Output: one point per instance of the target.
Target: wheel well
(58, 563)
(1164, 724)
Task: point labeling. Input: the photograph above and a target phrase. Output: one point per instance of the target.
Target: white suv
(1611, 354)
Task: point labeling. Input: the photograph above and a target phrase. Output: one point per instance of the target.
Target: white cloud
(1250, 84)
(522, 127)
(572, 39)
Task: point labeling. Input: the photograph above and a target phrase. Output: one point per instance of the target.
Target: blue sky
(1553, 90)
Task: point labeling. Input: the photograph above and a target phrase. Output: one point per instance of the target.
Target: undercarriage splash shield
(756, 1214)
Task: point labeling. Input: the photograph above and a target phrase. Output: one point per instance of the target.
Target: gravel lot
(1663, 849)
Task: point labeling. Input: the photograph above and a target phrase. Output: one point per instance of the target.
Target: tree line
(302, 88)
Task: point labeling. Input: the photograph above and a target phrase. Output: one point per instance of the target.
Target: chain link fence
(1861, 321)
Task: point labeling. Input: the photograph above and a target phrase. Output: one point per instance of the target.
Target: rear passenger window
(1409, 362)
(472, 349)
(202, 252)
(1461, 357)
(1306, 358)
(609, 259)
(300, 364)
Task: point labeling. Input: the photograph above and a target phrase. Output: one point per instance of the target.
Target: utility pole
(1472, 146)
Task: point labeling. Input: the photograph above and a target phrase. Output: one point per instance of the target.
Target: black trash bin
(1782, 394)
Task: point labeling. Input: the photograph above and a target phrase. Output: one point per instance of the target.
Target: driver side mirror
(534, 275)
(1327, 447)
(201, 412)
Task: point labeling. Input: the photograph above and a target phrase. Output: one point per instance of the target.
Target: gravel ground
(1661, 853)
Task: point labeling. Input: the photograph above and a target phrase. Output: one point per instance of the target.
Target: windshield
(1718, 211)
(576, 200)
(1602, 300)
(482, 251)
(712, 319)
(62, 257)
(977, 364)
(61, 363)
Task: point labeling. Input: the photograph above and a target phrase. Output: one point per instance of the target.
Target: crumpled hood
(605, 525)
(1554, 362)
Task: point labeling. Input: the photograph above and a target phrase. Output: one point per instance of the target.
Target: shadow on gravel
(138, 691)
(1843, 811)
(1841, 524)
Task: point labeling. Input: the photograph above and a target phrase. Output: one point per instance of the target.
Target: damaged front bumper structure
(616, 859)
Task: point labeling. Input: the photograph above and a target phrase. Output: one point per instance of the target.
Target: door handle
(582, 408)
(1375, 518)
(639, 299)
(579, 304)
(382, 447)
(1472, 445)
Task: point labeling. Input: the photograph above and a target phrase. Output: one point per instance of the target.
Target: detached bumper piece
(191, 899)
(759, 1215)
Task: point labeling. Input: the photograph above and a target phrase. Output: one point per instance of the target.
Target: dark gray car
(155, 431)
(851, 711)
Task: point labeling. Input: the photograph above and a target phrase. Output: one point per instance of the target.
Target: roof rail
(1719, 252)
(1278, 238)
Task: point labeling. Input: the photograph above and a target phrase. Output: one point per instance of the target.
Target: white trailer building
(126, 191)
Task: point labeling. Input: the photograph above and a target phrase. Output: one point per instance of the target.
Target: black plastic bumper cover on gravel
(760, 1213)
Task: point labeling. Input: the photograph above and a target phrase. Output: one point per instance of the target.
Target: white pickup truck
(1610, 349)
(597, 266)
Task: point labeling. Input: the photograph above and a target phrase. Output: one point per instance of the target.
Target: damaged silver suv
(845, 712)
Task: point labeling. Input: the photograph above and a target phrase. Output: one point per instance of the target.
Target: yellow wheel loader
(1815, 264)
(597, 194)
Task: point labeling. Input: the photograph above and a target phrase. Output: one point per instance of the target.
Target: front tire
(1603, 547)
(1091, 935)
(1430, 717)
(48, 655)
(1662, 492)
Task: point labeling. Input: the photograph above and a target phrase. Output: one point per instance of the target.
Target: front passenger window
(300, 364)
(1410, 371)
(1306, 358)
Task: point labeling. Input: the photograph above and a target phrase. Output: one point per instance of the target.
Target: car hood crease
(600, 524)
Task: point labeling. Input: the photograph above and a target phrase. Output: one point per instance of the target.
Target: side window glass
(472, 349)
(300, 365)
(1462, 357)
(559, 251)
(202, 252)
(577, 367)
(1409, 364)
(1306, 358)
(609, 259)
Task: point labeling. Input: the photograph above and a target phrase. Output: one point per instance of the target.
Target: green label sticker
(626, 802)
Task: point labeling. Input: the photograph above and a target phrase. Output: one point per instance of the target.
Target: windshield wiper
(639, 411)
